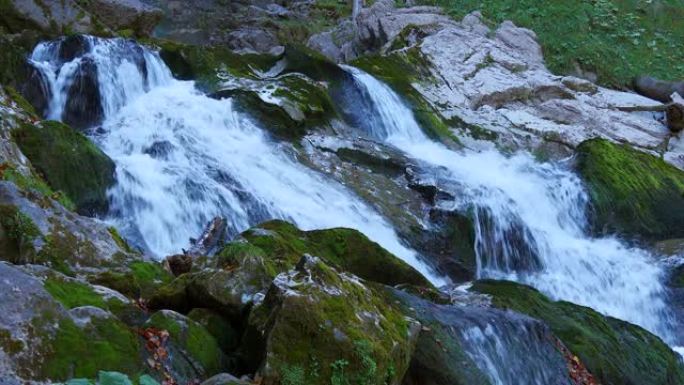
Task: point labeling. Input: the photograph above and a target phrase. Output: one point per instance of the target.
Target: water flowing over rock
(241, 176)
(535, 222)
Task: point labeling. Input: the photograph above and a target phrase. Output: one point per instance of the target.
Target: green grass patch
(616, 39)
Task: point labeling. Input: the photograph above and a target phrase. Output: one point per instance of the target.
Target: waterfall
(183, 158)
(531, 222)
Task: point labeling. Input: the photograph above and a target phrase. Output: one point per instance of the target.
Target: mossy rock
(226, 336)
(400, 70)
(140, 279)
(205, 63)
(269, 116)
(17, 233)
(614, 351)
(69, 162)
(345, 249)
(82, 351)
(632, 193)
(193, 341)
(351, 333)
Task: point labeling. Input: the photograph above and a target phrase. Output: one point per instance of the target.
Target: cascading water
(530, 220)
(183, 158)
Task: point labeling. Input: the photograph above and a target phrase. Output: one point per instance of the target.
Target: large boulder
(69, 162)
(614, 351)
(133, 15)
(350, 334)
(632, 193)
(53, 328)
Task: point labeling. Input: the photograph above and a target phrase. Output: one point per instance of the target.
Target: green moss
(120, 241)
(616, 39)
(400, 69)
(632, 193)
(8, 344)
(69, 162)
(223, 332)
(73, 294)
(63, 250)
(204, 63)
(140, 279)
(17, 234)
(333, 343)
(345, 249)
(34, 184)
(22, 103)
(193, 338)
(104, 344)
(614, 351)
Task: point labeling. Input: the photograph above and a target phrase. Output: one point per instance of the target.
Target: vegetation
(69, 162)
(616, 39)
(632, 193)
(346, 249)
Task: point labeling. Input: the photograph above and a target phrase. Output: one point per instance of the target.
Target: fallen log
(674, 114)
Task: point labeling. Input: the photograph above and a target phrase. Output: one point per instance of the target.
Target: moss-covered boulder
(345, 249)
(614, 351)
(319, 326)
(632, 193)
(135, 280)
(69, 162)
(51, 324)
(210, 65)
(194, 352)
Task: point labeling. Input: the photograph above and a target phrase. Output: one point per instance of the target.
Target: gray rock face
(70, 16)
(126, 14)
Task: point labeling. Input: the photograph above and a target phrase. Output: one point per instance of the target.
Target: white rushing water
(530, 223)
(183, 158)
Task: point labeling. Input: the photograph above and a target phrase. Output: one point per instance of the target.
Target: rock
(202, 356)
(226, 335)
(632, 193)
(492, 90)
(611, 349)
(69, 162)
(120, 15)
(345, 249)
(48, 16)
(351, 333)
(179, 264)
(43, 341)
(83, 108)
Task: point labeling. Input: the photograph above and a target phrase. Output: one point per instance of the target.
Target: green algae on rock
(346, 249)
(69, 162)
(632, 193)
(351, 333)
(614, 351)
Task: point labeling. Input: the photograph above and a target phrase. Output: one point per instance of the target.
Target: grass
(616, 39)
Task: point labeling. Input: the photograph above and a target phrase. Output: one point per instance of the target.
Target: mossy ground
(69, 162)
(614, 351)
(616, 39)
(632, 193)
